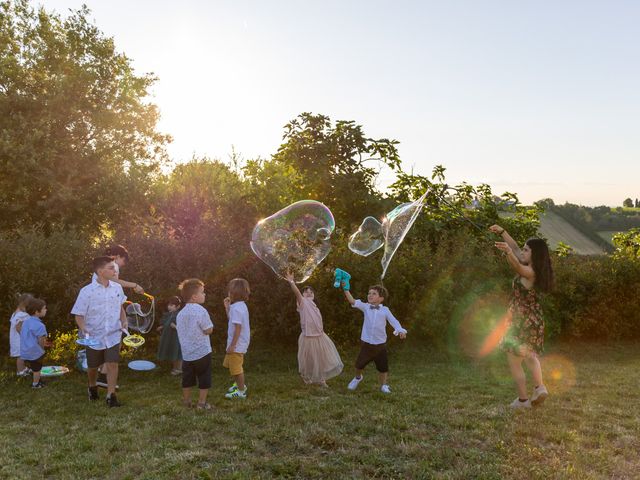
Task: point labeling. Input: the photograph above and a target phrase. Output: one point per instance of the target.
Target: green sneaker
(237, 393)
(233, 388)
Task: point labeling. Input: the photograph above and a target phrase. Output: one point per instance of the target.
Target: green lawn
(447, 418)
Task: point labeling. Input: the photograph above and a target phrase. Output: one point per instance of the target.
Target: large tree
(335, 163)
(78, 138)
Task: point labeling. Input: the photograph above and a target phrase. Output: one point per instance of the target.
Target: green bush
(596, 298)
(52, 265)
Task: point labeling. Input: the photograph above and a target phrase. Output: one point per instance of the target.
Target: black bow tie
(374, 307)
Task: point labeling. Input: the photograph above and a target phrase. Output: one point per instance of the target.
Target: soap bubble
(371, 235)
(395, 226)
(295, 239)
(368, 238)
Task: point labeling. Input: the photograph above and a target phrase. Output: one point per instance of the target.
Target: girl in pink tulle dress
(318, 359)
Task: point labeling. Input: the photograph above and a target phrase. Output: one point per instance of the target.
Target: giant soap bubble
(295, 239)
(371, 235)
(368, 238)
(395, 226)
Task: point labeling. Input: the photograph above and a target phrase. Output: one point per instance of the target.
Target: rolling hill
(556, 229)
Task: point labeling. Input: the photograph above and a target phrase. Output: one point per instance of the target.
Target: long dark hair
(541, 264)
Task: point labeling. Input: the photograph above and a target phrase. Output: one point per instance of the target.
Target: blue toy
(341, 277)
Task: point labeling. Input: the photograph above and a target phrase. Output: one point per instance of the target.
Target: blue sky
(539, 98)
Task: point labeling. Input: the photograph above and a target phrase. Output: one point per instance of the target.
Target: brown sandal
(203, 406)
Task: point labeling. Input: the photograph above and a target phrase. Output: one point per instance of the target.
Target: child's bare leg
(382, 377)
(177, 364)
(515, 365)
(239, 381)
(202, 396)
(36, 377)
(112, 377)
(533, 364)
(186, 395)
(92, 375)
(20, 366)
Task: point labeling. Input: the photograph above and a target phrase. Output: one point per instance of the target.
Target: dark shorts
(197, 370)
(35, 365)
(95, 358)
(373, 353)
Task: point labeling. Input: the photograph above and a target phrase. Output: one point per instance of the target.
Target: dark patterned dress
(526, 328)
(169, 347)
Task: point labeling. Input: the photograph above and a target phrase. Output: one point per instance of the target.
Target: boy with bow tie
(374, 336)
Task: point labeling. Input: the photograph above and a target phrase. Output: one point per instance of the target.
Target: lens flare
(483, 324)
(558, 372)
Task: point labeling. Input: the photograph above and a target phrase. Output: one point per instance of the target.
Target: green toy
(341, 277)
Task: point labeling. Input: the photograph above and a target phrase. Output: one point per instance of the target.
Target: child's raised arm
(294, 287)
(498, 230)
(349, 297)
(522, 270)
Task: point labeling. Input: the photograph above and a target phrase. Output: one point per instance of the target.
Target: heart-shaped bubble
(295, 239)
(368, 238)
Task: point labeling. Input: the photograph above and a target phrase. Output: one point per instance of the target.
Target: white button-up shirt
(100, 306)
(375, 322)
(191, 322)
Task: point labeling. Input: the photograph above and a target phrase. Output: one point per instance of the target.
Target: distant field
(556, 230)
(607, 235)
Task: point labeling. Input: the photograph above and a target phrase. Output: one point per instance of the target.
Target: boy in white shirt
(120, 257)
(194, 326)
(238, 335)
(100, 316)
(374, 336)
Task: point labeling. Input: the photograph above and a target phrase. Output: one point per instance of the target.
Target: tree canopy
(79, 144)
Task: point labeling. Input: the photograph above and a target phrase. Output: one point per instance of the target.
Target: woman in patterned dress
(524, 339)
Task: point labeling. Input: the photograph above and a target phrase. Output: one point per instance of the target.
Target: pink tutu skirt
(318, 359)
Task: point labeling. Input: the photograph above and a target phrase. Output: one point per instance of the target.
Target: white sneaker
(23, 373)
(353, 384)
(385, 388)
(539, 395)
(517, 404)
(237, 393)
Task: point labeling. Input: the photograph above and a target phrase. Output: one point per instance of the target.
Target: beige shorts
(234, 361)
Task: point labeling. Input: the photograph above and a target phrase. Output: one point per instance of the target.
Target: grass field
(447, 418)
